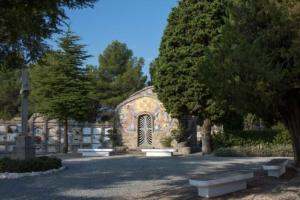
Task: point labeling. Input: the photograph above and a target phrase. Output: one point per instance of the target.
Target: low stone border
(7, 175)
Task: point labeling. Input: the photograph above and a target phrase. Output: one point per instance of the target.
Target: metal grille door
(145, 130)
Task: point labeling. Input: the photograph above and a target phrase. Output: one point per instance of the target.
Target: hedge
(42, 163)
(251, 138)
(258, 151)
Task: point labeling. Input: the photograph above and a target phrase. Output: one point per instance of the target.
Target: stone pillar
(24, 148)
(46, 135)
(59, 137)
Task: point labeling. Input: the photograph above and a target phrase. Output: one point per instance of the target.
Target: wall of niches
(48, 135)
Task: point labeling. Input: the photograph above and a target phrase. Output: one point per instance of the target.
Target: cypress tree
(192, 26)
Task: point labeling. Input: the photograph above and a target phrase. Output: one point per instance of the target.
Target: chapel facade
(142, 120)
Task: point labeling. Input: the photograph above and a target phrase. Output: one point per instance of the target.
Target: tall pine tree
(192, 26)
(60, 88)
(119, 74)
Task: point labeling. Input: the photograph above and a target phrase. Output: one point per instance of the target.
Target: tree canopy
(60, 88)
(192, 26)
(119, 74)
(25, 24)
(9, 93)
(257, 62)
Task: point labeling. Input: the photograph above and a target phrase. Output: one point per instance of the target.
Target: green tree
(257, 62)
(192, 26)
(119, 74)
(9, 93)
(25, 24)
(60, 88)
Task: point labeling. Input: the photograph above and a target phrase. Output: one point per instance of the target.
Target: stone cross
(24, 102)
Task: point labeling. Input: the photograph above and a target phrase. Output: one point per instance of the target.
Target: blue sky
(138, 23)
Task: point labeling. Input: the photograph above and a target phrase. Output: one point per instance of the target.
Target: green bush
(43, 163)
(180, 134)
(251, 138)
(166, 141)
(259, 151)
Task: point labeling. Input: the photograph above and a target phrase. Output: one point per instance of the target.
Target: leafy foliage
(252, 138)
(257, 62)
(257, 151)
(42, 163)
(192, 26)
(9, 93)
(118, 76)
(166, 141)
(256, 59)
(26, 24)
(60, 88)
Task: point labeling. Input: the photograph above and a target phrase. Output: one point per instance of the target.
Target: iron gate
(145, 130)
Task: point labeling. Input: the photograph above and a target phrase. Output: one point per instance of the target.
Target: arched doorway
(145, 130)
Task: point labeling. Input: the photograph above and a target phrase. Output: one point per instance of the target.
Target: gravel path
(122, 177)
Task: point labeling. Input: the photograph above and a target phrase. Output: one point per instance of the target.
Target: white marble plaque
(3, 129)
(86, 131)
(97, 130)
(96, 139)
(87, 139)
(2, 147)
(2, 138)
(52, 132)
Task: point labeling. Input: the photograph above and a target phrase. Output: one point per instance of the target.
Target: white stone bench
(95, 152)
(158, 152)
(276, 167)
(217, 184)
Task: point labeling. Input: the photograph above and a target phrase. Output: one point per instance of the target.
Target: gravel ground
(123, 177)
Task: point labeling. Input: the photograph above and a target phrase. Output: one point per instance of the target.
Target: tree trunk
(206, 137)
(66, 139)
(291, 118)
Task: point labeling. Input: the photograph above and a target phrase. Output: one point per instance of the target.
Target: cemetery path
(122, 178)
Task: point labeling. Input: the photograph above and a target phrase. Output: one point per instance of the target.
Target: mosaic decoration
(129, 113)
(140, 103)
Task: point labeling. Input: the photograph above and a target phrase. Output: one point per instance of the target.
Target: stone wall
(48, 134)
(140, 103)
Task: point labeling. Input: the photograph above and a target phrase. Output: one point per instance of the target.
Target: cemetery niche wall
(48, 134)
(142, 121)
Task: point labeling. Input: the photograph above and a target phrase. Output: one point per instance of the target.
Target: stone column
(46, 135)
(24, 148)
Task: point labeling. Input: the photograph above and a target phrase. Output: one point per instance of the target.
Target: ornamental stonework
(130, 127)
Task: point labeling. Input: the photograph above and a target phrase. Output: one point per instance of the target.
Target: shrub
(43, 163)
(166, 141)
(251, 138)
(180, 134)
(114, 137)
(259, 151)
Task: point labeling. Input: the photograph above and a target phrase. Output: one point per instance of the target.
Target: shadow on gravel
(128, 177)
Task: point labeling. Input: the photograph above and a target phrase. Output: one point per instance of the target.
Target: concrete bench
(158, 152)
(217, 184)
(95, 152)
(276, 167)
